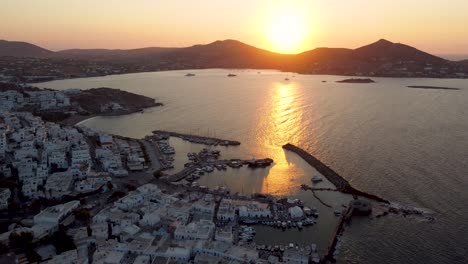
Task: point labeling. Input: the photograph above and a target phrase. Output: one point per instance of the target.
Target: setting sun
(286, 30)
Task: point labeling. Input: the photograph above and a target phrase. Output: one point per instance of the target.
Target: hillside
(112, 54)
(22, 49)
(225, 54)
(382, 58)
(93, 100)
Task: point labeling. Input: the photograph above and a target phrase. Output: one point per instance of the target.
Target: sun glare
(286, 31)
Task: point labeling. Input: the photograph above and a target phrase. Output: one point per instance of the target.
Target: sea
(407, 145)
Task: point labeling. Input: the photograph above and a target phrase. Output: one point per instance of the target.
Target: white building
(80, 155)
(58, 184)
(59, 159)
(254, 210)
(4, 196)
(3, 144)
(181, 255)
(56, 214)
(151, 219)
(106, 141)
(201, 230)
(226, 211)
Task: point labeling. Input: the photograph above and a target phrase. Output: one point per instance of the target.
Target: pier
(340, 183)
(346, 217)
(197, 139)
(239, 163)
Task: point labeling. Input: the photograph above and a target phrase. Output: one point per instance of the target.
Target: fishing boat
(316, 179)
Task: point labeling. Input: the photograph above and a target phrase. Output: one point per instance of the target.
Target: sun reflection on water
(281, 125)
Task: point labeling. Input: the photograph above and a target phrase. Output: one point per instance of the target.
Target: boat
(286, 79)
(317, 178)
(189, 75)
(231, 75)
(299, 225)
(337, 212)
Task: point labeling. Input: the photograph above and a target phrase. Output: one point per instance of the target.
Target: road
(153, 155)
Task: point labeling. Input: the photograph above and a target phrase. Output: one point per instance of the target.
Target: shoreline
(243, 69)
(77, 119)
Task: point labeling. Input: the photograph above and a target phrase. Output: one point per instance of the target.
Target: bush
(21, 239)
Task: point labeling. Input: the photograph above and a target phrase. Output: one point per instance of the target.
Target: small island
(431, 87)
(357, 80)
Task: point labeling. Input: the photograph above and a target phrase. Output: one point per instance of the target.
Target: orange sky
(283, 26)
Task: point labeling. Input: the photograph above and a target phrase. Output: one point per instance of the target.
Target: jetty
(234, 163)
(197, 139)
(345, 217)
(340, 183)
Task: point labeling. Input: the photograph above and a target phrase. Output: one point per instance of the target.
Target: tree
(130, 187)
(82, 215)
(20, 239)
(158, 174)
(62, 242)
(110, 186)
(35, 206)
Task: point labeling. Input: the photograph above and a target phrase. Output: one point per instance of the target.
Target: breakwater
(340, 183)
(197, 139)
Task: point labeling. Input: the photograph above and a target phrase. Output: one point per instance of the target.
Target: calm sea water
(406, 145)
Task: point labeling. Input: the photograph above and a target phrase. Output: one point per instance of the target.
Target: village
(109, 197)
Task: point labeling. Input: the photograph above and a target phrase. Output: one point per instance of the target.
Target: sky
(291, 26)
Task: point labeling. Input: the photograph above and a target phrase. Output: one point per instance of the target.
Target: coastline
(76, 120)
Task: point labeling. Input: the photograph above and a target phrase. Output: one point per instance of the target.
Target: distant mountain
(22, 49)
(225, 54)
(386, 50)
(382, 58)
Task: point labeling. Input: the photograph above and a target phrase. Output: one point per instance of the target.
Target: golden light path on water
(282, 125)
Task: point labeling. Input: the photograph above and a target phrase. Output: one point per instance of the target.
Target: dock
(340, 183)
(197, 139)
(190, 169)
(346, 217)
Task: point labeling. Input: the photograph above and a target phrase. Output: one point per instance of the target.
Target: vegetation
(20, 239)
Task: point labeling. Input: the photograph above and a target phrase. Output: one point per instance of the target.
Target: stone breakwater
(340, 183)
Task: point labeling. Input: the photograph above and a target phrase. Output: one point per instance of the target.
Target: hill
(388, 51)
(22, 49)
(112, 54)
(382, 58)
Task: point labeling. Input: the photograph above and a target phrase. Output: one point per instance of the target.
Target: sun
(286, 31)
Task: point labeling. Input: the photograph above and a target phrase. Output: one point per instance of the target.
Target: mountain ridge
(380, 58)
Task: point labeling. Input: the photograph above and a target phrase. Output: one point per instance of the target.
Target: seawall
(340, 183)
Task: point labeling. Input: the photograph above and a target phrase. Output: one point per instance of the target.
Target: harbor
(341, 184)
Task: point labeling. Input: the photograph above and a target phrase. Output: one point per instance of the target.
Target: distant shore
(432, 87)
(357, 80)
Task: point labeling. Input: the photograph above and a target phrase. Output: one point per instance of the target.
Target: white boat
(317, 178)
